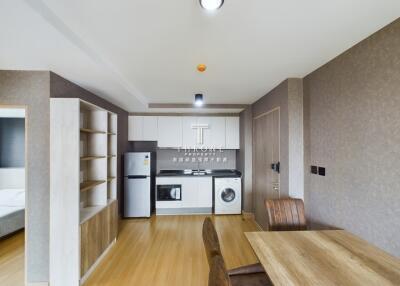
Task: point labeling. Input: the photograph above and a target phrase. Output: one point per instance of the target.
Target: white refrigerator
(137, 184)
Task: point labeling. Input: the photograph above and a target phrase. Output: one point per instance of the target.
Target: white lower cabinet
(196, 193)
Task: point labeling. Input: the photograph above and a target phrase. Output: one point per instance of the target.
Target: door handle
(276, 167)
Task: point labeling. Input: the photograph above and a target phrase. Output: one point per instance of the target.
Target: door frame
(25, 108)
(253, 153)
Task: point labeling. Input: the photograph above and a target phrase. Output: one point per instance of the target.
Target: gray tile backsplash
(168, 159)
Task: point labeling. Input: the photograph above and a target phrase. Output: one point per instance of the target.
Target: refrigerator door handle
(137, 177)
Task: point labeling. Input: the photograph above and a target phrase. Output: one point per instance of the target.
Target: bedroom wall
(12, 142)
(352, 125)
(32, 89)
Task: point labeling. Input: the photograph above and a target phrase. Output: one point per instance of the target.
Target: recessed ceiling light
(211, 4)
(198, 99)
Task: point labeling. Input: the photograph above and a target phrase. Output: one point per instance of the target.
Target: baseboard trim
(183, 211)
(251, 216)
(248, 215)
(37, 283)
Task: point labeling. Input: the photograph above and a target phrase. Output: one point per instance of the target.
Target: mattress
(12, 210)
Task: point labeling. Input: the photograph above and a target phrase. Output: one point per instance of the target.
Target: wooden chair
(211, 243)
(219, 276)
(286, 215)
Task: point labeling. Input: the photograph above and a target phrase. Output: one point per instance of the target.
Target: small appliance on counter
(139, 178)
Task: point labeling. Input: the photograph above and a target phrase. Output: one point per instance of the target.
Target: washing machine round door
(228, 195)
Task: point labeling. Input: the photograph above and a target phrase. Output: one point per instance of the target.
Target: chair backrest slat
(218, 273)
(286, 214)
(210, 238)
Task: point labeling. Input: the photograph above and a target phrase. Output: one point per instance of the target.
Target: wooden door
(265, 153)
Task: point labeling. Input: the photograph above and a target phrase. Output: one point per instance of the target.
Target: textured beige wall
(32, 89)
(295, 138)
(288, 96)
(352, 127)
(278, 97)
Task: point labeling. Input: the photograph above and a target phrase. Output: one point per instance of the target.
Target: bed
(12, 210)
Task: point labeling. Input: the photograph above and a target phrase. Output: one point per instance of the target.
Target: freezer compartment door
(137, 164)
(137, 197)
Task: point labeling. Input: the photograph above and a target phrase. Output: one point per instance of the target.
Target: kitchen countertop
(204, 173)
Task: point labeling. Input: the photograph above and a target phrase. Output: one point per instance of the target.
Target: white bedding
(12, 198)
(12, 210)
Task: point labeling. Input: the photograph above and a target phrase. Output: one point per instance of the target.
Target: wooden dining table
(331, 257)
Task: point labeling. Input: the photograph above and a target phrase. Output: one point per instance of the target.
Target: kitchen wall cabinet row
(184, 131)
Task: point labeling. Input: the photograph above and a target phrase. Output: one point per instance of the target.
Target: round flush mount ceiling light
(198, 99)
(211, 5)
(201, 67)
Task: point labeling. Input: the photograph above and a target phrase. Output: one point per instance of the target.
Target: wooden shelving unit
(83, 188)
(92, 131)
(109, 179)
(87, 185)
(88, 158)
(111, 157)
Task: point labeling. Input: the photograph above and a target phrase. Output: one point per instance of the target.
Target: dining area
(290, 252)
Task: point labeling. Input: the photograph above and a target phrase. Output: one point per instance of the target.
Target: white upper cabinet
(150, 128)
(170, 131)
(186, 131)
(135, 128)
(232, 139)
(218, 131)
(189, 134)
(142, 128)
(203, 133)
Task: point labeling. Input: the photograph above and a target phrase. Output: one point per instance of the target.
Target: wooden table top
(331, 257)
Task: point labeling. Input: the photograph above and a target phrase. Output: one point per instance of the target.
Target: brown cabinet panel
(90, 242)
(113, 216)
(97, 233)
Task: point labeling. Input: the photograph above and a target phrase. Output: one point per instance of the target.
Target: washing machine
(228, 195)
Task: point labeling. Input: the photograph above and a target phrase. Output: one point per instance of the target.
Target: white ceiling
(134, 52)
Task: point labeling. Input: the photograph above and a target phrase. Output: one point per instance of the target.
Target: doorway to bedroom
(12, 194)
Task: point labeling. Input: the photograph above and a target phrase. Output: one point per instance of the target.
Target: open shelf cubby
(112, 157)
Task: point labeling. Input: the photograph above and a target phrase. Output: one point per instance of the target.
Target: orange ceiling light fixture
(201, 67)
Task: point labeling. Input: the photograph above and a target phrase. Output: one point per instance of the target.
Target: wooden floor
(163, 250)
(12, 260)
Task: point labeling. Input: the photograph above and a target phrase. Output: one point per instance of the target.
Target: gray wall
(12, 142)
(165, 159)
(32, 89)
(244, 158)
(352, 127)
(288, 96)
(278, 97)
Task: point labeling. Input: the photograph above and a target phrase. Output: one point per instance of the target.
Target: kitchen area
(182, 165)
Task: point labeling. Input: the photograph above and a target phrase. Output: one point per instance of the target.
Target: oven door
(169, 193)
